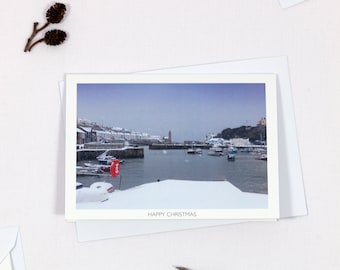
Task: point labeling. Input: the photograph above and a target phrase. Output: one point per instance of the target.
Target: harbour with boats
(151, 159)
(243, 168)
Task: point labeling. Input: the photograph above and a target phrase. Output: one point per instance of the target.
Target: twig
(35, 43)
(35, 31)
(54, 14)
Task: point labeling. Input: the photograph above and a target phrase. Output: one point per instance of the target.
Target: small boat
(191, 151)
(231, 157)
(198, 151)
(103, 167)
(194, 151)
(79, 185)
(232, 150)
(105, 159)
(215, 151)
(97, 192)
(262, 157)
(88, 171)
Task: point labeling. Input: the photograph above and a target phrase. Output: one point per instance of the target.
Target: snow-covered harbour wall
(175, 146)
(124, 153)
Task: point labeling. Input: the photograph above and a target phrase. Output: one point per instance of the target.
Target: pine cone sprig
(54, 14)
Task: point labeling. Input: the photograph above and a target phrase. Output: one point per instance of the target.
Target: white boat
(232, 150)
(105, 159)
(231, 157)
(89, 171)
(262, 157)
(104, 167)
(97, 192)
(215, 151)
(198, 151)
(194, 151)
(191, 151)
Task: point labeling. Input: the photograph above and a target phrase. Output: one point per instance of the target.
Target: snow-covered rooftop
(87, 129)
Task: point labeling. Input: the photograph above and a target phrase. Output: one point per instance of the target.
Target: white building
(238, 142)
(217, 141)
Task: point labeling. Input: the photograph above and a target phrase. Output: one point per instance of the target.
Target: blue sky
(190, 111)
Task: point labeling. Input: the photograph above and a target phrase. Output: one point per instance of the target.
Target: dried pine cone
(56, 13)
(55, 37)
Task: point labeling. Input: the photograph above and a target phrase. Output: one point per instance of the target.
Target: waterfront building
(262, 122)
(90, 135)
(217, 141)
(80, 136)
(238, 142)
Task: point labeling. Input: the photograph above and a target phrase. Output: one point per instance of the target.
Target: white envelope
(292, 195)
(11, 253)
(290, 3)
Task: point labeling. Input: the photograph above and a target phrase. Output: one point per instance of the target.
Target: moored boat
(194, 151)
(231, 157)
(191, 151)
(103, 167)
(198, 151)
(88, 171)
(215, 151)
(232, 150)
(262, 157)
(97, 192)
(105, 159)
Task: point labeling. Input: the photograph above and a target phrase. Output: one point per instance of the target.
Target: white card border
(72, 213)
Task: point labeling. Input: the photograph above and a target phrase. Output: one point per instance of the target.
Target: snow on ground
(181, 194)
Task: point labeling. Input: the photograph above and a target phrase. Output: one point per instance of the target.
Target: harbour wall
(89, 154)
(174, 146)
(161, 146)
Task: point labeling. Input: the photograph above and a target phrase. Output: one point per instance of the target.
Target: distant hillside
(245, 132)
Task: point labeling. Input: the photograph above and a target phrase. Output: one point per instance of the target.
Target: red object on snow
(115, 168)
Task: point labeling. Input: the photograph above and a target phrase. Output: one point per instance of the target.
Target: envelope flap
(8, 239)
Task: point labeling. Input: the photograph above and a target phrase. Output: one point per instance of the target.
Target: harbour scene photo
(181, 138)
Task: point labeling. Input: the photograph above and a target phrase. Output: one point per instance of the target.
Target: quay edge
(126, 153)
(156, 146)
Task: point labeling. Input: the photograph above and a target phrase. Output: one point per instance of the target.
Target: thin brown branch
(35, 43)
(43, 27)
(35, 31)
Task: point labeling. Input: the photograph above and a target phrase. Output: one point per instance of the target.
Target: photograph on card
(171, 146)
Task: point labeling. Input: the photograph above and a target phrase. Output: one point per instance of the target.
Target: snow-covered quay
(181, 194)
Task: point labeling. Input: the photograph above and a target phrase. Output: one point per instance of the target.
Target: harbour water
(246, 173)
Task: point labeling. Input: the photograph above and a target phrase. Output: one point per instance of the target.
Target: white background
(126, 36)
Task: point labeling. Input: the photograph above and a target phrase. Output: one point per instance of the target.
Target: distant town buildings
(90, 132)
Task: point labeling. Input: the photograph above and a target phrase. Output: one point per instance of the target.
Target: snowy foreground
(181, 194)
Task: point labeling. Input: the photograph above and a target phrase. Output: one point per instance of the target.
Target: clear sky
(190, 111)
